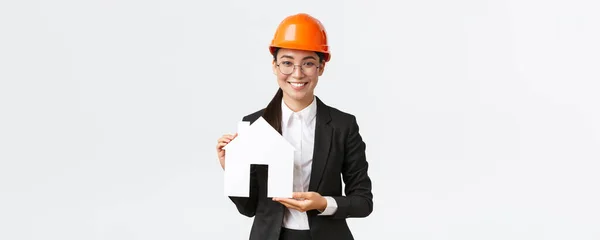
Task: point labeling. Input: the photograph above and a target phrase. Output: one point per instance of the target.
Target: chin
(297, 95)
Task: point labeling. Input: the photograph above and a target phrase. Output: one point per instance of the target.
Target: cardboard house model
(259, 143)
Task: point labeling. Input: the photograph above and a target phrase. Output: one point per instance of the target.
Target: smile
(298, 85)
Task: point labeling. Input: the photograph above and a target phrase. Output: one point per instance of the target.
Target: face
(297, 84)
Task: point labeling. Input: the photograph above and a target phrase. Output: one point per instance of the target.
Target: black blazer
(339, 151)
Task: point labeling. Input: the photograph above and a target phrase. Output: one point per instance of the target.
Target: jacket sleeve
(247, 205)
(358, 201)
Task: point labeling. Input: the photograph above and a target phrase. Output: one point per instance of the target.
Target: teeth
(297, 84)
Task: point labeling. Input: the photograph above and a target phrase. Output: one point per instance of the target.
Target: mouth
(298, 85)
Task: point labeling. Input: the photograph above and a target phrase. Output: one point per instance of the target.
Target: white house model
(259, 143)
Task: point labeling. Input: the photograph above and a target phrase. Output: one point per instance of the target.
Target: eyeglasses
(287, 67)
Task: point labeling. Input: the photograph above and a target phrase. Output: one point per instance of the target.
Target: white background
(481, 118)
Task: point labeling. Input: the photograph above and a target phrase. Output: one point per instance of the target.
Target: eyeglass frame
(294, 68)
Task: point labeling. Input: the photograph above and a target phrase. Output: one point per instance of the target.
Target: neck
(297, 105)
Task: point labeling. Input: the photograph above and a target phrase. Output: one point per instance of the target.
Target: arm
(247, 205)
(358, 201)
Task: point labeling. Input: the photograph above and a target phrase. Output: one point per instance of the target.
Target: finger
(289, 201)
(229, 136)
(302, 195)
(290, 206)
(224, 140)
(220, 147)
(226, 137)
(300, 205)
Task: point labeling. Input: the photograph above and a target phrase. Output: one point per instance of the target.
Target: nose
(297, 73)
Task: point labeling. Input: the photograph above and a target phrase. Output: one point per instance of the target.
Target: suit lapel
(323, 136)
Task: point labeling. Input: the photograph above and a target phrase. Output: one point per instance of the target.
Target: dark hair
(272, 113)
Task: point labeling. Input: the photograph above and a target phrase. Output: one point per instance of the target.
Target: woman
(327, 142)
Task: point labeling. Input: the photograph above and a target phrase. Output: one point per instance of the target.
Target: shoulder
(339, 118)
(344, 123)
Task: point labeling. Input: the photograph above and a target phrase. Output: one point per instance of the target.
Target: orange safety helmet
(303, 32)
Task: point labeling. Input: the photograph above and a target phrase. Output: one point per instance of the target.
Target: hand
(222, 142)
(304, 201)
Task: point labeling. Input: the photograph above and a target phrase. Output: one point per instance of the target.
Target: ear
(322, 68)
(274, 67)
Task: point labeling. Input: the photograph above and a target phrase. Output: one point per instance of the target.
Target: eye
(286, 63)
(309, 64)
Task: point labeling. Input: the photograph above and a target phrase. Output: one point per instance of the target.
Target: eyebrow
(307, 57)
